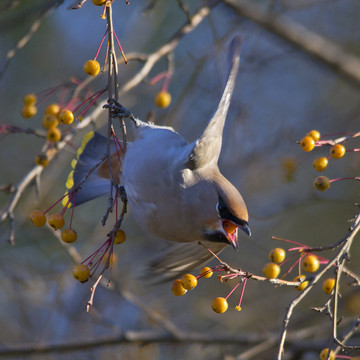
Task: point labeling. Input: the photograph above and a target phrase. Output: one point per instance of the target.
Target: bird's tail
(90, 177)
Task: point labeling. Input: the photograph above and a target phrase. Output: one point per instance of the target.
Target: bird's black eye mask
(225, 214)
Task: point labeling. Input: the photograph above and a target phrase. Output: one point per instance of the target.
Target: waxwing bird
(174, 188)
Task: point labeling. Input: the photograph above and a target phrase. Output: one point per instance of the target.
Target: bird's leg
(118, 110)
(122, 194)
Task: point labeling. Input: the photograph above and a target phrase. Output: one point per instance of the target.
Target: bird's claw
(117, 109)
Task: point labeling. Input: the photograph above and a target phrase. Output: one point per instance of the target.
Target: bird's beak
(246, 229)
(231, 232)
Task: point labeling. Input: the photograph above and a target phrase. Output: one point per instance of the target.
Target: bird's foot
(117, 110)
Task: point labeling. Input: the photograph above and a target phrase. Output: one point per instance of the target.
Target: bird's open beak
(231, 232)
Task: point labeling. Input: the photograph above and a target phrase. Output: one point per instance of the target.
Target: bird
(174, 188)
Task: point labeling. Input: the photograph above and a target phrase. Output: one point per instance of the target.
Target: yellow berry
(328, 285)
(310, 263)
(206, 272)
(303, 284)
(37, 218)
(81, 272)
(322, 183)
(307, 143)
(188, 281)
(177, 288)
(56, 221)
(120, 237)
(229, 227)
(112, 261)
(320, 163)
(50, 121)
(219, 305)
(99, 2)
(277, 255)
(69, 236)
(92, 67)
(314, 134)
(66, 116)
(324, 354)
(29, 99)
(42, 160)
(28, 111)
(238, 308)
(52, 109)
(337, 151)
(271, 270)
(162, 99)
(54, 135)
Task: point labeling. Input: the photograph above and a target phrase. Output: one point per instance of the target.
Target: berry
(28, 111)
(320, 163)
(219, 305)
(307, 143)
(50, 121)
(177, 288)
(81, 272)
(238, 308)
(37, 218)
(229, 227)
(322, 183)
(277, 255)
(206, 272)
(310, 263)
(29, 99)
(69, 236)
(337, 151)
(303, 284)
(188, 281)
(56, 221)
(66, 117)
(271, 270)
(162, 99)
(120, 237)
(42, 160)
(99, 2)
(92, 67)
(112, 261)
(314, 134)
(328, 285)
(52, 109)
(324, 354)
(54, 135)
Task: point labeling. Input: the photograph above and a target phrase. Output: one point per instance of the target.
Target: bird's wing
(208, 146)
(179, 259)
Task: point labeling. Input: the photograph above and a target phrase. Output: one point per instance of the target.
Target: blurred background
(281, 93)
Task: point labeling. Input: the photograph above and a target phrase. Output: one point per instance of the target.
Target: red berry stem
(117, 141)
(290, 241)
(292, 266)
(72, 210)
(121, 50)
(53, 205)
(346, 178)
(242, 291)
(235, 287)
(158, 77)
(100, 46)
(166, 83)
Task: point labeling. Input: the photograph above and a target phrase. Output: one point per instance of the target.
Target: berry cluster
(337, 150)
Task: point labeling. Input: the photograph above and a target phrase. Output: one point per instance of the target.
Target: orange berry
(303, 284)
(320, 163)
(314, 134)
(328, 285)
(29, 99)
(322, 183)
(219, 305)
(42, 160)
(310, 263)
(66, 116)
(206, 272)
(99, 2)
(324, 354)
(28, 111)
(188, 281)
(271, 270)
(81, 272)
(238, 308)
(307, 143)
(92, 67)
(277, 255)
(120, 237)
(337, 151)
(50, 121)
(37, 218)
(56, 221)
(177, 288)
(52, 109)
(54, 135)
(229, 227)
(162, 99)
(69, 236)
